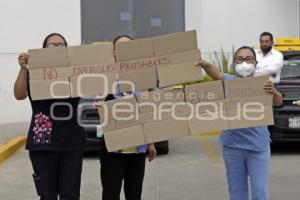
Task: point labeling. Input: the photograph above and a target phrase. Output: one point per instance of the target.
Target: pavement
(12, 137)
(12, 130)
(192, 170)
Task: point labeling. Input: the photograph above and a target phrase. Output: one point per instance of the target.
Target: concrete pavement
(186, 173)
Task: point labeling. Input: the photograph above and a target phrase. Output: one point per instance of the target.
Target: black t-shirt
(54, 125)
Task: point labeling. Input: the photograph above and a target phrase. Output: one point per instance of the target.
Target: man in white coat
(270, 61)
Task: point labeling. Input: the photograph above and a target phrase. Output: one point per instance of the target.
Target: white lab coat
(269, 64)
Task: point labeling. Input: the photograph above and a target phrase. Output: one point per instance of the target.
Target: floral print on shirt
(42, 129)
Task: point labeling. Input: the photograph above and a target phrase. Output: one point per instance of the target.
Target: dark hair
(267, 34)
(121, 36)
(54, 34)
(245, 47)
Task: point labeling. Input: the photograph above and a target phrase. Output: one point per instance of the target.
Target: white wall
(24, 25)
(238, 22)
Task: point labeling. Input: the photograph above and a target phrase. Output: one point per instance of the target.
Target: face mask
(244, 69)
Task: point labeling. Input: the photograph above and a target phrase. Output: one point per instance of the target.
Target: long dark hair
(54, 34)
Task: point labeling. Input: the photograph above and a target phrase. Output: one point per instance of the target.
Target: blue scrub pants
(243, 165)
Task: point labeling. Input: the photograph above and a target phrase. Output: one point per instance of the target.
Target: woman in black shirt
(55, 140)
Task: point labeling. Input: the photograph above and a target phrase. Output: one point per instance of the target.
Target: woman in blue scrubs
(246, 151)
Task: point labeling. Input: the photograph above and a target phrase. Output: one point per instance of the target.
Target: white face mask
(244, 69)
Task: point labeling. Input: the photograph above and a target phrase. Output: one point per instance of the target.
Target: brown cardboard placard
(54, 89)
(183, 51)
(48, 73)
(47, 58)
(147, 101)
(124, 138)
(204, 92)
(173, 56)
(208, 116)
(128, 103)
(141, 62)
(205, 123)
(137, 80)
(250, 111)
(88, 85)
(178, 74)
(100, 53)
(134, 49)
(244, 100)
(245, 87)
(111, 125)
(95, 72)
(182, 57)
(165, 130)
(110, 68)
(175, 43)
(246, 97)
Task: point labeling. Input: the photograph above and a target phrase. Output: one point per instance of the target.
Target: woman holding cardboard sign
(246, 151)
(55, 144)
(126, 165)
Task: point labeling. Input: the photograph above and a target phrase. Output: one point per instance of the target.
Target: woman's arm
(20, 87)
(211, 70)
(277, 96)
(152, 152)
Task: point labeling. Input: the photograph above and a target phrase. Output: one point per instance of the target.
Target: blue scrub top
(253, 139)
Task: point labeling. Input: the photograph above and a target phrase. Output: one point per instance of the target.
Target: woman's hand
(99, 101)
(210, 69)
(269, 87)
(152, 152)
(23, 60)
(277, 96)
(203, 63)
(20, 88)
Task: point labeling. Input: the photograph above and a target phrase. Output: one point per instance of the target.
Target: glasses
(53, 45)
(248, 59)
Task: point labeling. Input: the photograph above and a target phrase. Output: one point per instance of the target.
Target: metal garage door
(103, 20)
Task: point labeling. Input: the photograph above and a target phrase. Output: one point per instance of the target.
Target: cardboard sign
(245, 87)
(165, 130)
(49, 72)
(110, 109)
(134, 50)
(250, 111)
(204, 92)
(208, 100)
(124, 138)
(93, 69)
(178, 72)
(183, 41)
(242, 103)
(167, 60)
(56, 89)
(248, 95)
(201, 108)
(77, 71)
(147, 100)
(143, 110)
(84, 55)
(137, 80)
